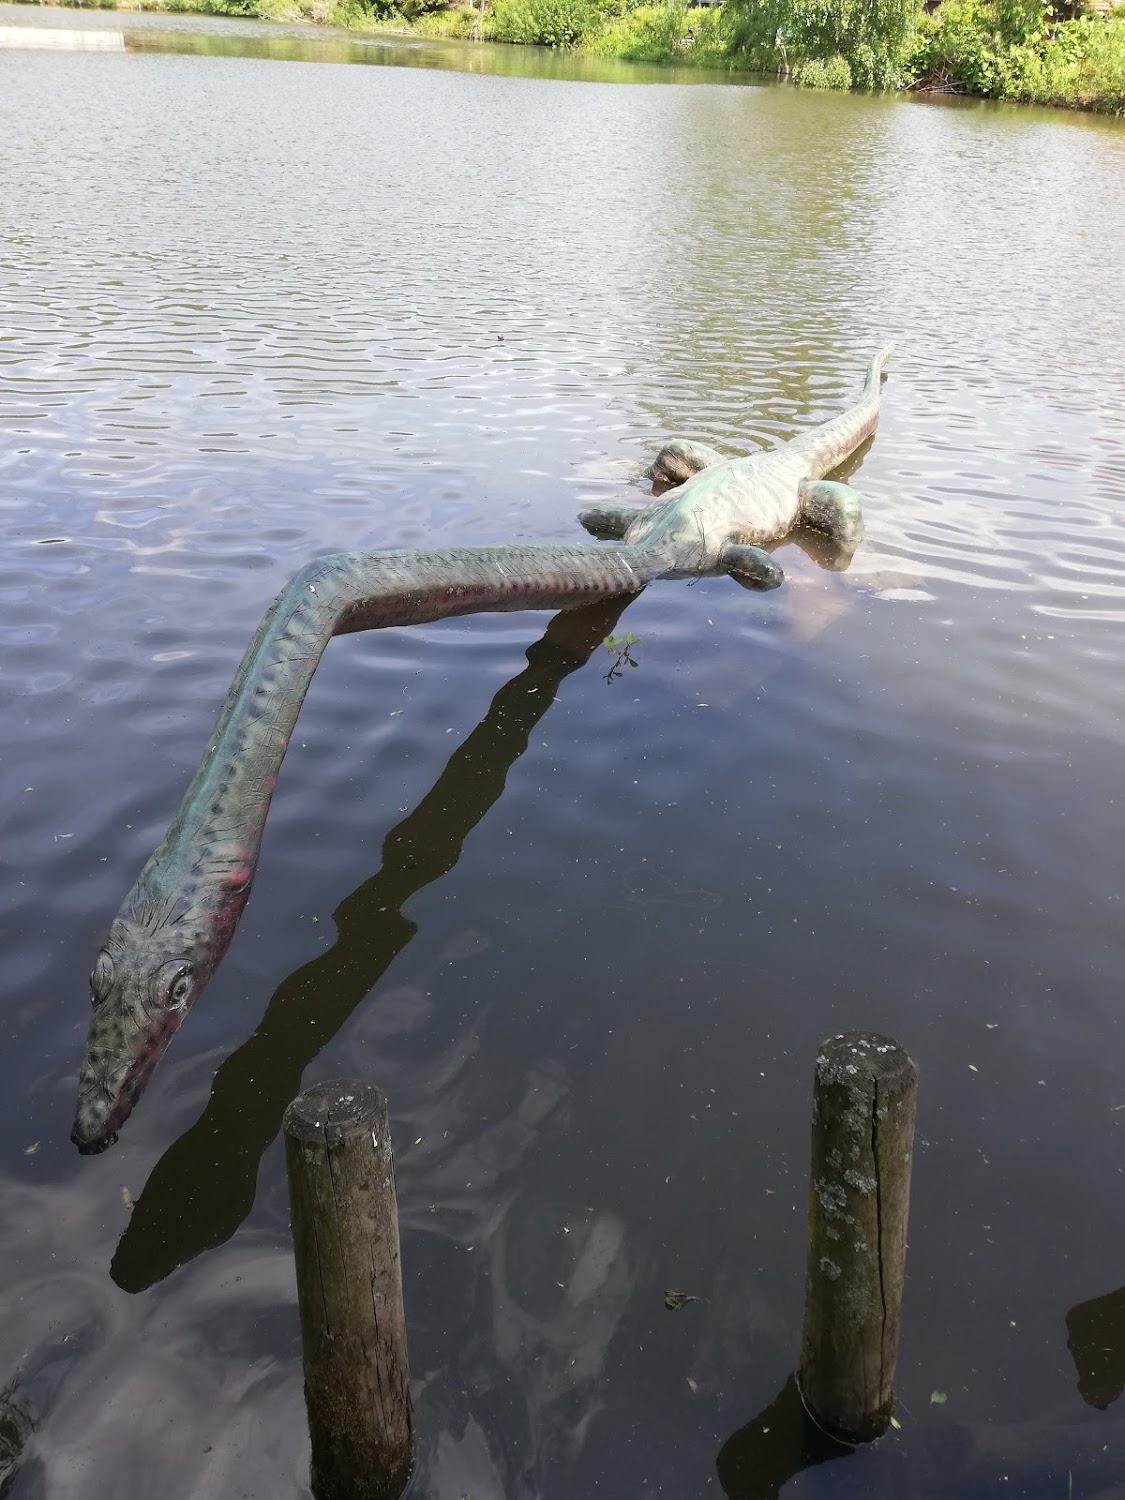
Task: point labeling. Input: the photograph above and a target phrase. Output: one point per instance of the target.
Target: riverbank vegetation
(1021, 49)
(1039, 51)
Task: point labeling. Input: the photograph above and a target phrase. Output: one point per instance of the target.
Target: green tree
(869, 36)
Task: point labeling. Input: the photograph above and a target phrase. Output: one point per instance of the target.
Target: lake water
(587, 933)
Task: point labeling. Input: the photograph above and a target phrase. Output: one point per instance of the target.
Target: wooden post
(859, 1192)
(349, 1287)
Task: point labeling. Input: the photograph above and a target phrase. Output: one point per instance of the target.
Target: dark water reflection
(250, 312)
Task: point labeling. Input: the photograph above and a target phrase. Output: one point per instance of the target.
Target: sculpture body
(178, 920)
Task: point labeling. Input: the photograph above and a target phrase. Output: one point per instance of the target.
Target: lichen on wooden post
(349, 1288)
(859, 1192)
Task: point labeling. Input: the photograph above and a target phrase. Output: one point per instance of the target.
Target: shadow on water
(781, 1442)
(1095, 1336)
(203, 1187)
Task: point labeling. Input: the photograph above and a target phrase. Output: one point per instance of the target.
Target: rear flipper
(833, 508)
(678, 460)
(750, 566)
(610, 522)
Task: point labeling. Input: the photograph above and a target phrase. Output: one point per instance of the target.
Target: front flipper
(750, 566)
(833, 508)
(678, 460)
(610, 522)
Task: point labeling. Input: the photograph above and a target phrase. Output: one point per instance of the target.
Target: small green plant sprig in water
(620, 647)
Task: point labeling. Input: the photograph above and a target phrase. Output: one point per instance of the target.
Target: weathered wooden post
(859, 1193)
(349, 1287)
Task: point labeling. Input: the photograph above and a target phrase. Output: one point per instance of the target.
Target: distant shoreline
(1077, 65)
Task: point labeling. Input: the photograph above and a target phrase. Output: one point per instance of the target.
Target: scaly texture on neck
(178, 920)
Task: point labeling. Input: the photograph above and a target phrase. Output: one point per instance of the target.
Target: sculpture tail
(826, 447)
(875, 370)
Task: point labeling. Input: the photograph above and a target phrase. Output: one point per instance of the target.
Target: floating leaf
(674, 1300)
(32, 1149)
(896, 1424)
(938, 1398)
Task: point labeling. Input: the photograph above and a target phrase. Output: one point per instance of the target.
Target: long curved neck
(211, 848)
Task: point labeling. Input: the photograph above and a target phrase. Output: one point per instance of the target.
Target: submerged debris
(674, 1300)
(15, 1429)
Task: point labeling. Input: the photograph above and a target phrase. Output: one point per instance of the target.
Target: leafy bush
(203, 7)
(956, 48)
(411, 10)
(1011, 49)
(870, 36)
(824, 73)
(667, 32)
(1081, 64)
(550, 23)
(650, 33)
(322, 12)
(461, 21)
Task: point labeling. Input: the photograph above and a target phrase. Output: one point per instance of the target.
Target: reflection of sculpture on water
(203, 1186)
(782, 1441)
(1095, 1336)
(827, 552)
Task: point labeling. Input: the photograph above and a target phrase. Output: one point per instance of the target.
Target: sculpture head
(152, 968)
(140, 989)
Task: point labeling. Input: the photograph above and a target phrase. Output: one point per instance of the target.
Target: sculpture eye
(101, 979)
(174, 985)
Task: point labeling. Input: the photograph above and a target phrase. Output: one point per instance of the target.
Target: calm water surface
(586, 933)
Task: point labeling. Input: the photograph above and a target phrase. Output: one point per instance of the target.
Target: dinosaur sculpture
(178, 920)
